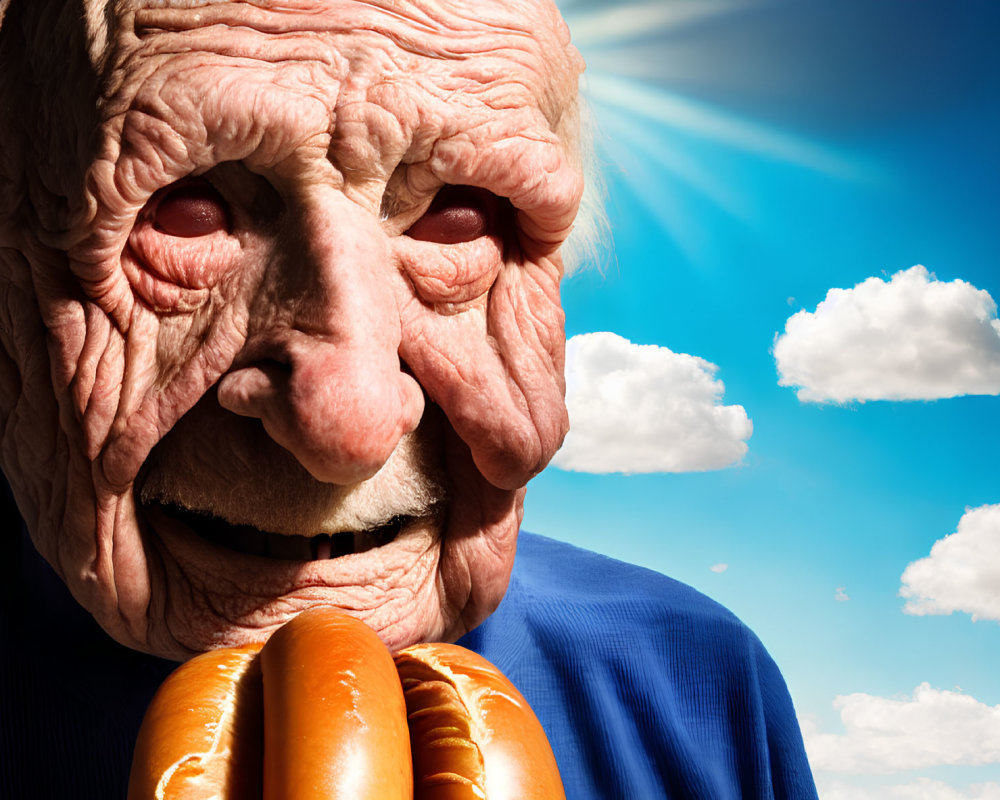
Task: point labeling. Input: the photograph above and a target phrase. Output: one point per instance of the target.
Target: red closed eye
(457, 214)
(191, 209)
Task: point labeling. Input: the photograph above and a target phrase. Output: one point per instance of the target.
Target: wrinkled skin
(238, 279)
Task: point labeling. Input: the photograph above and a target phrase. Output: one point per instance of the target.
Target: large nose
(323, 372)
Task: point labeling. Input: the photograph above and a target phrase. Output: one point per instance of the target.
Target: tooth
(321, 546)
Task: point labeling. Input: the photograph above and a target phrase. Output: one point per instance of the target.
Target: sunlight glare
(653, 135)
(612, 26)
(681, 114)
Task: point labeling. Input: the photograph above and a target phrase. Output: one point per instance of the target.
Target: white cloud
(719, 568)
(644, 408)
(913, 338)
(934, 727)
(919, 789)
(841, 595)
(962, 573)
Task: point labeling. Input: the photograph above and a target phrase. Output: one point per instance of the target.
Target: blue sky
(757, 155)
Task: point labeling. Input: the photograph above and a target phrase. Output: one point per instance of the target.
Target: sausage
(334, 716)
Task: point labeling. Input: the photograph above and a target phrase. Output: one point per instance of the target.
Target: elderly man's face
(301, 316)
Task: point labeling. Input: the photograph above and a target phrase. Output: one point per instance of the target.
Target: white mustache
(233, 472)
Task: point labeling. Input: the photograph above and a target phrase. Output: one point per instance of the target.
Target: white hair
(591, 232)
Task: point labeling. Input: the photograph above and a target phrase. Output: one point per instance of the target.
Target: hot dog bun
(473, 735)
(334, 716)
(201, 736)
(322, 711)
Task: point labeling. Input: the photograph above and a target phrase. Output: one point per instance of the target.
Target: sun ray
(656, 136)
(680, 114)
(624, 132)
(665, 207)
(613, 26)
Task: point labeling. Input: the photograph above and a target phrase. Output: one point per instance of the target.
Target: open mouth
(249, 540)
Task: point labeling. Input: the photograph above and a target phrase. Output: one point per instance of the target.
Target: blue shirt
(645, 687)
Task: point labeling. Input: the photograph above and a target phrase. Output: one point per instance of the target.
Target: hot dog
(321, 706)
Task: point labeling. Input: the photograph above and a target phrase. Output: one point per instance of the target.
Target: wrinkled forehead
(519, 46)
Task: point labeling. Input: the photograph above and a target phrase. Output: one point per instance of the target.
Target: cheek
(495, 368)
